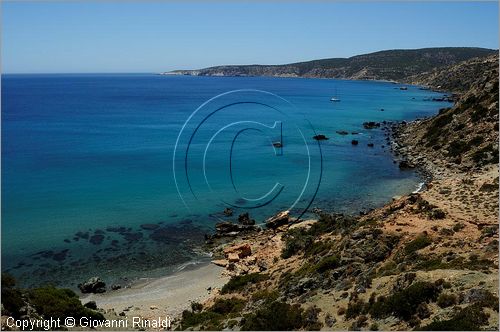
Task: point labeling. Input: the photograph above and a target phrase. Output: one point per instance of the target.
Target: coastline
(164, 296)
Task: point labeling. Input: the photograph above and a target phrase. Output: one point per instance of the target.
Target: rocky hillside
(383, 65)
(426, 261)
(457, 78)
(464, 137)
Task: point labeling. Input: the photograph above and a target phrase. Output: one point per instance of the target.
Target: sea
(122, 175)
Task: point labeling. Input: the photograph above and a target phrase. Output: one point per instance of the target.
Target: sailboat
(335, 98)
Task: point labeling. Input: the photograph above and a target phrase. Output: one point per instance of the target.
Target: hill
(384, 65)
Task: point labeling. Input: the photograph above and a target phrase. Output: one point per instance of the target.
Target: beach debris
(244, 219)
(282, 218)
(228, 212)
(93, 285)
(320, 137)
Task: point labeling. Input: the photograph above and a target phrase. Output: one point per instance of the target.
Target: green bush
(470, 318)
(403, 304)
(296, 240)
(327, 263)
(355, 308)
(445, 300)
(418, 243)
(226, 306)
(12, 299)
(59, 303)
(239, 282)
(276, 316)
(211, 318)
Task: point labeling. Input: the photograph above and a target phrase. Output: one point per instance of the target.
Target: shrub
(12, 299)
(212, 317)
(196, 306)
(239, 282)
(327, 263)
(60, 303)
(276, 316)
(404, 303)
(445, 300)
(209, 319)
(355, 308)
(226, 306)
(296, 240)
(418, 243)
(470, 318)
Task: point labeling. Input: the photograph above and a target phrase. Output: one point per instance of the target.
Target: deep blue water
(82, 153)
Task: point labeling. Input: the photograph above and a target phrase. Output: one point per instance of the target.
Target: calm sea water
(88, 159)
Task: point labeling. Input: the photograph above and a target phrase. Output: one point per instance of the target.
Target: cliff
(383, 65)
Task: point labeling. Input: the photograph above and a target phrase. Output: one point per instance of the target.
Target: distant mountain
(396, 65)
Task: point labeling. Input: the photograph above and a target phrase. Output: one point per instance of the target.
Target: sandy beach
(166, 296)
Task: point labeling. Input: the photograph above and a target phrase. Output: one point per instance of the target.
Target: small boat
(335, 99)
(277, 144)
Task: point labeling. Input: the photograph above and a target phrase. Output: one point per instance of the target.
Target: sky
(93, 37)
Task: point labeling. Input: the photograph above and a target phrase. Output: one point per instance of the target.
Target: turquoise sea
(88, 159)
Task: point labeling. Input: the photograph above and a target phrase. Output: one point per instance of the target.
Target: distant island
(390, 65)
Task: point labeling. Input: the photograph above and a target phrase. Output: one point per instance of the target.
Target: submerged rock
(228, 212)
(244, 219)
(371, 125)
(320, 137)
(93, 285)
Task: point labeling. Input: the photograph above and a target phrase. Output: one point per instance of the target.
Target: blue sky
(48, 37)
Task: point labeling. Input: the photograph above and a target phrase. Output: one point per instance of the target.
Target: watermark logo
(247, 149)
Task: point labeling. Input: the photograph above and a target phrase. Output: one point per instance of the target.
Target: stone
(116, 286)
(233, 257)
(282, 218)
(242, 250)
(93, 285)
(244, 219)
(220, 262)
(228, 212)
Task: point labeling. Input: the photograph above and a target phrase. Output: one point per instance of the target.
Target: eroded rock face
(241, 250)
(278, 220)
(93, 285)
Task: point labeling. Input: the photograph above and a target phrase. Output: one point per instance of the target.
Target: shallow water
(83, 153)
